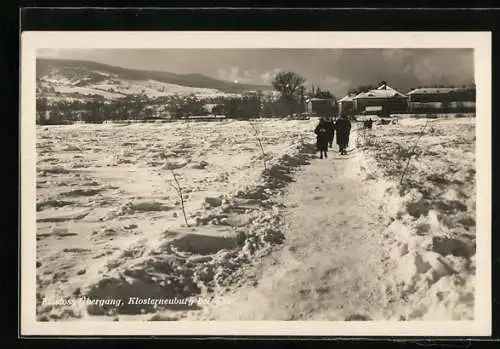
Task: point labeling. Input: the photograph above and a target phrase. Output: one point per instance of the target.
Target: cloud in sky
(337, 70)
(249, 76)
(268, 76)
(340, 84)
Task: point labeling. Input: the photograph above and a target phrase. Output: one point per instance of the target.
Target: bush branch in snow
(260, 143)
(178, 189)
(411, 152)
(359, 135)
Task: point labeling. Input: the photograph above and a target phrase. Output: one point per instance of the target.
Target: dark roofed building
(381, 101)
(320, 106)
(442, 99)
(346, 105)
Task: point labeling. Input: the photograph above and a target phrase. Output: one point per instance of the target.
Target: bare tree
(289, 84)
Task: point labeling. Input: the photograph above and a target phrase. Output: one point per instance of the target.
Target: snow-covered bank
(434, 231)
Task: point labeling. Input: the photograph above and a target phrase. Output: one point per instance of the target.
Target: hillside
(86, 77)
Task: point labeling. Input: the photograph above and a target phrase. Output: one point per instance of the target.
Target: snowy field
(348, 242)
(107, 207)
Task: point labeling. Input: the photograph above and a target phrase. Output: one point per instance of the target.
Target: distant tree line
(96, 109)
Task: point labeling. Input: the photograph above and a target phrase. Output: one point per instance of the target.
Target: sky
(336, 70)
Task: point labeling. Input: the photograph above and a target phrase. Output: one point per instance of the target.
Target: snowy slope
(67, 77)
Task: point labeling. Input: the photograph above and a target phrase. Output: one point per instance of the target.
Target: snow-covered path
(333, 264)
(335, 232)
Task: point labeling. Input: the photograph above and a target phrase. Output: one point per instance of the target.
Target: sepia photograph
(321, 183)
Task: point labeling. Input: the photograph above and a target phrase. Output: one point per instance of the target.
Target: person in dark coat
(322, 137)
(343, 129)
(331, 131)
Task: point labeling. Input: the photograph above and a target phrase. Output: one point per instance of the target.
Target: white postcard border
(479, 41)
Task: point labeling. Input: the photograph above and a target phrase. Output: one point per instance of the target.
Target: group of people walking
(325, 134)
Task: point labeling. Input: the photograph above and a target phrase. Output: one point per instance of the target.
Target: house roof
(347, 99)
(435, 90)
(381, 92)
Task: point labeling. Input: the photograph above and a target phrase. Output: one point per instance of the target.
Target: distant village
(385, 100)
(381, 100)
